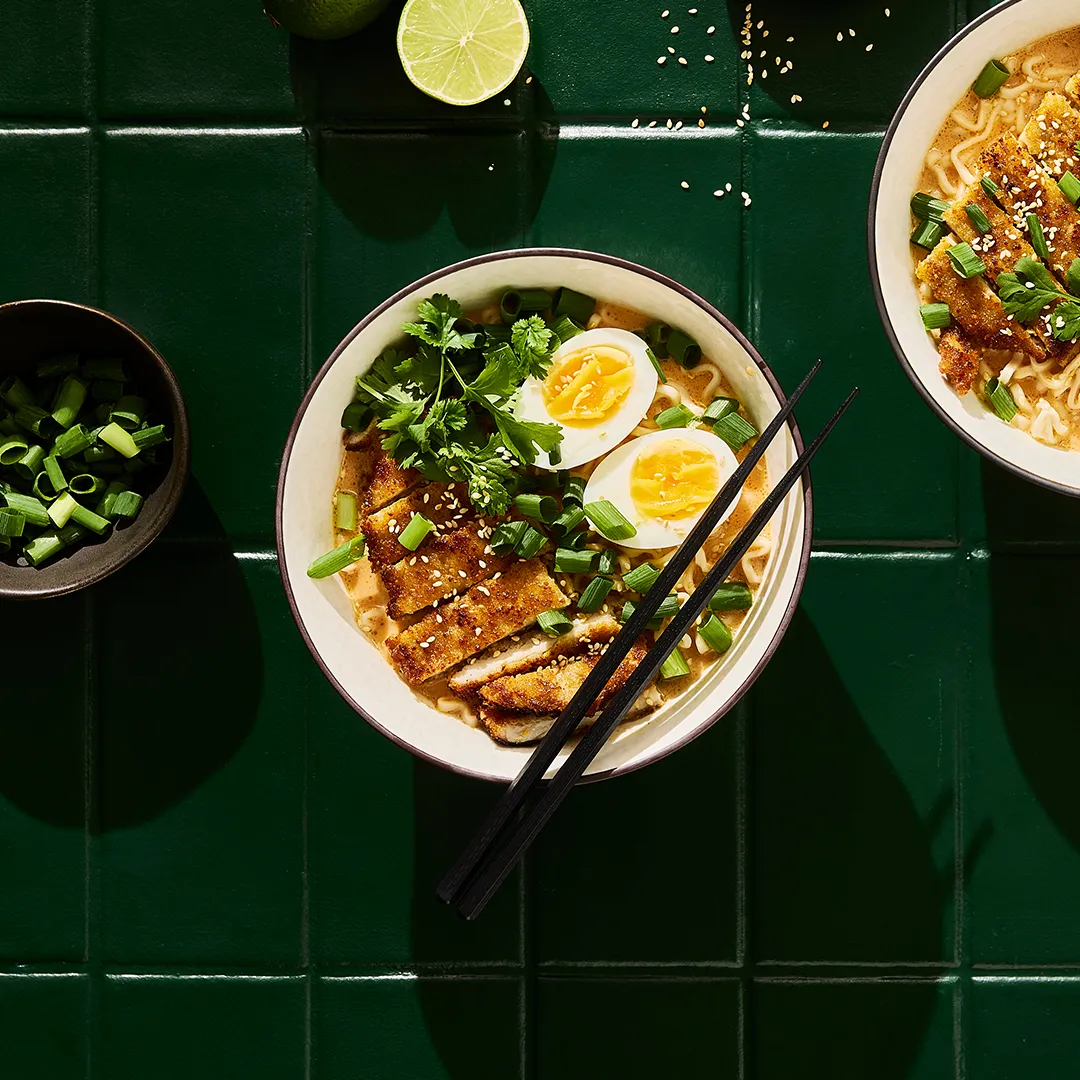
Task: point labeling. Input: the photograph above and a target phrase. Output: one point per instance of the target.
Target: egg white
(582, 444)
(611, 480)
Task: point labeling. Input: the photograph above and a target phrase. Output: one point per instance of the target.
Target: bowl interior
(31, 330)
(310, 469)
(1006, 29)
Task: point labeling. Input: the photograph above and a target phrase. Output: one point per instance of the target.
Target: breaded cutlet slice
(1027, 188)
(536, 650)
(454, 631)
(389, 481)
(441, 566)
(959, 360)
(441, 504)
(1072, 89)
(550, 689)
(974, 305)
(1051, 135)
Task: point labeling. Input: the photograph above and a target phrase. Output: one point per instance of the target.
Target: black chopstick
(567, 723)
(507, 857)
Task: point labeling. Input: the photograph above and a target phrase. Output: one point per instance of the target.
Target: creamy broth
(1046, 393)
(695, 388)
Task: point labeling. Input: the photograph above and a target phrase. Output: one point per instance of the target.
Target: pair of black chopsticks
(482, 868)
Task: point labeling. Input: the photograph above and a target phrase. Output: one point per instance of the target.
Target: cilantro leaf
(422, 372)
(380, 385)
(522, 437)
(532, 342)
(435, 327)
(1066, 321)
(1028, 290)
(502, 374)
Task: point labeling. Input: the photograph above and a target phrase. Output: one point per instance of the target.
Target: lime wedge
(462, 51)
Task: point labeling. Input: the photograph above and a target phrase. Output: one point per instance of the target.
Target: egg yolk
(674, 479)
(587, 386)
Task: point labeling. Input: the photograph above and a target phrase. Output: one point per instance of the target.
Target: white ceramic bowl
(1003, 30)
(309, 470)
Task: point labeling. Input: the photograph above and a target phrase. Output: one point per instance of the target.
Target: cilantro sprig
(1030, 289)
(453, 428)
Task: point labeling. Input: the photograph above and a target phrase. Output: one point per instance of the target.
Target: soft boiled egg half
(663, 482)
(598, 389)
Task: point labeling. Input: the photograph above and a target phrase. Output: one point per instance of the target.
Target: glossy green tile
(853, 780)
(383, 829)
(45, 214)
(43, 1026)
(637, 1028)
(218, 60)
(393, 208)
(200, 860)
(202, 250)
(1022, 843)
(423, 1029)
(176, 1028)
(890, 471)
(1023, 1027)
(601, 58)
(618, 190)
(43, 784)
(45, 59)
(832, 69)
(636, 849)
(881, 1028)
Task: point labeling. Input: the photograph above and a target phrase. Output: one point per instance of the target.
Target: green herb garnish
(1030, 289)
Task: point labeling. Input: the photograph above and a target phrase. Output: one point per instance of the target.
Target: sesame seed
(669, 125)
(719, 193)
(709, 58)
(825, 125)
(634, 124)
(796, 98)
(887, 13)
(685, 186)
(701, 123)
(711, 30)
(840, 36)
(661, 59)
(528, 80)
(727, 187)
(851, 32)
(671, 50)
(869, 48)
(665, 13)
(682, 60)
(478, 631)
(506, 101)
(652, 123)
(790, 40)
(423, 644)
(739, 120)
(703, 109)
(691, 11)
(678, 125)
(674, 29)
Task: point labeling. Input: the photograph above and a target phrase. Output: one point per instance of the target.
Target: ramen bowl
(309, 470)
(32, 330)
(1005, 29)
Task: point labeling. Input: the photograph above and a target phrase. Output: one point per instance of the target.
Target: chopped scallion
(595, 594)
(568, 520)
(42, 548)
(731, 596)
(964, 260)
(683, 349)
(656, 335)
(146, 437)
(609, 521)
(335, 561)
(573, 305)
(674, 417)
(12, 448)
(1038, 237)
(538, 507)
(31, 463)
(991, 79)
(657, 367)
(56, 473)
(60, 511)
(530, 543)
(977, 216)
(345, 511)
(504, 539)
(927, 208)
(718, 408)
(86, 484)
(104, 368)
(669, 606)
(928, 234)
(1001, 400)
(608, 562)
(74, 441)
(936, 316)
(16, 393)
(356, 417)
(89, 520)
(715, 634)
(554, 622)
(412, 536)
(642, 578)
(69, 400)
(564, 328)
(127, 504)
(989, 186)
(735, 430)
(516, 303)
(12, 522)
(1070, 187)
(675, 666)
(571, 561)
(56, 365)
(123, 442)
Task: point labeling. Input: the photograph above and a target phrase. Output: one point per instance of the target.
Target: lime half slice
(462, 51)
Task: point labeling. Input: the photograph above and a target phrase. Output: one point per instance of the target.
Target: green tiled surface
(211, 867)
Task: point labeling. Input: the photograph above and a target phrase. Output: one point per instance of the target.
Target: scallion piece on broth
(978, 218)
(642, 578)
(127, 504)
(927, 208)
(669, 606)
(554, 622)
(595, 594)
(989, 186)
(356, 417)
(683, 349)
(574, 491)
(656, 336)
(538, 507)
(675, 417)
(573, 305)
(345, 511)
(965, 262)
(656, 364)
(1070, 187)
(518, 302)
(608, 520)
(928, 234)
(1038, 238)
(991, 79)
(565, 328)
(675, 666)
(413, 535)
(997, 393)
(575, 540)
(530, 543)
(555, 455)
(718, 408)
(735, 430)
(335, 561)
(573, 561)
(568, 520)
(504, 539)
(1072, 278)
(715, 634)
(731, 596)
(608, 563)
(936, 316)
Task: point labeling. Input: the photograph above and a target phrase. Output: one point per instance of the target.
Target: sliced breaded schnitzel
(1051, 134)
(442, 504)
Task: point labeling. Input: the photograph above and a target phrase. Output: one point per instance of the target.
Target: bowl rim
(181, 448)
(875, 278)
(588, 256)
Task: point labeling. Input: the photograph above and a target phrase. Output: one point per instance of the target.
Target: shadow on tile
(1030, 596)
(179, 672)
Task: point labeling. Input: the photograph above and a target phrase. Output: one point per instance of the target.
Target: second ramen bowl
(1003, 30)
(309, 471)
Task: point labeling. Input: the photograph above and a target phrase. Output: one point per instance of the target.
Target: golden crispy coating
(450, 633)
(550, 689)
(441, 504)
(442, 565)
(974, 305)
(1051, 135)
(389, 481)
(1072, 89)
(1003, 246)
(959, 360)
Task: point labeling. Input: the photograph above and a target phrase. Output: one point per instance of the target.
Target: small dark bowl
(33, 329)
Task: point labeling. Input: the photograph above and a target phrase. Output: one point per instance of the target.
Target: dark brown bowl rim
(181, 458)
(875, 278)
(587, 256)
